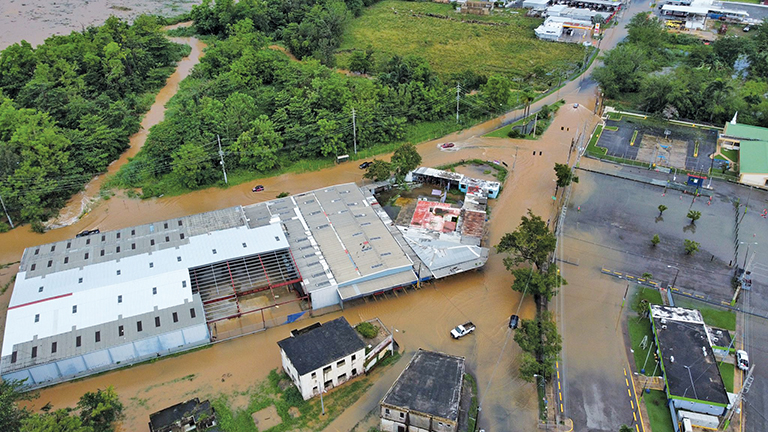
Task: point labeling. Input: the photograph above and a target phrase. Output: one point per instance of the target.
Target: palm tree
(527, 97)
(718, 90)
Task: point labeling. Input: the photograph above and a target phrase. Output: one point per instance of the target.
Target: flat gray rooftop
(113, 245)
(430, 384)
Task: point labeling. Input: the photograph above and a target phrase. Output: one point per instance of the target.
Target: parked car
(258, 188)
(463, 330)
(514, 321)
(742, 360)
(447, 145)
(746, 29)
(365, 165)
(88, 232)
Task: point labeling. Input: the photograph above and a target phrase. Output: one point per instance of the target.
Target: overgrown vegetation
(500, 171)
(658, 412)
(69, 106)
(473, 403)
(367, 330)
(531, 126)
(673, 75)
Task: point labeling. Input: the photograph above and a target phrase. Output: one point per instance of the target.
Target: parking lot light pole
(747, 253)
(678, 272)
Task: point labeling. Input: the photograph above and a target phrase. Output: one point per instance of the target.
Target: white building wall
(310, 383)
(759, 180)
(324, 297)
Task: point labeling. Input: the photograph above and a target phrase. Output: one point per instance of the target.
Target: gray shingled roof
(321, 346)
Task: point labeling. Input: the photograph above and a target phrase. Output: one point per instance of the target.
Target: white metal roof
(94, 289)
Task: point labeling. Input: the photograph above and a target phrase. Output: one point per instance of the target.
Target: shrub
(367, 330)
(284, 194)
(655, 240)
(4, 227)
(514, 133)
(37, 227)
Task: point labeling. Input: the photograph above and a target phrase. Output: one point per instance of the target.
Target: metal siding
(325, 297)
(148, 346)
(196, 334)
(172, 340)
(123, 353)
(97, 359)
(71, 366)
(44, 372)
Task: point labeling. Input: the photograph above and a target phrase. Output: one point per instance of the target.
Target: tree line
(69, 106)
(679, 76)
(268, 111)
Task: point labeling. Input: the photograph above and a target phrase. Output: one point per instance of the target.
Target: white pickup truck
(463, 330)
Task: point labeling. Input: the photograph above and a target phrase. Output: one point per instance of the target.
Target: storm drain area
(247, 284)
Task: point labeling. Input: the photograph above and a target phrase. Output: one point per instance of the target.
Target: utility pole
(221, 155)
(6, 212)
(458, 97)
(354, 130)
(535, 120)
(737, 403)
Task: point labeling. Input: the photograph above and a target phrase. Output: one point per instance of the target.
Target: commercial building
(752, 144)
(691, 374)
(187, 416)
(426, 396)
(696, 12)
(322, 356)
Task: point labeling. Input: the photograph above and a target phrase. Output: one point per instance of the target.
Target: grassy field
(451, 46)
(639, 328)
(658, 413)
(592, 148)
(727, 371)
(714, 317)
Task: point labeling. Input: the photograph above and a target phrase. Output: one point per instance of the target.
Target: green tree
(257, 147)
(531, 242)
(542, 286)
(655, 240)
(647, 275)
(100, 409)
(496, 91)
(11, 415)
(539, 337)
(691, 247)
(362, 62)
(378, 170)
(329, 132)
(564, 175)
(57, 421)
(661, 208)
(693, 215)
(191, 165)
(405, 159)
(623, 70)
(625, 428)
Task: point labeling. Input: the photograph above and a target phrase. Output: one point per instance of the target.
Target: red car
(258, 188)
(447, 145)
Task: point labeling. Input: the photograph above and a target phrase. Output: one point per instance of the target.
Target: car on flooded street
(85, 233)
(514, 321)
(365, 165)
(447, 145)
(258, 188)
(742, 360)
(463, 330)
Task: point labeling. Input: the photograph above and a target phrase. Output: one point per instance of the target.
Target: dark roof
(179, 412)
(313, 349)
(687, 342)
(430, 384)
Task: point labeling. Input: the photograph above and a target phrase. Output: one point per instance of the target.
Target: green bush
(514, 133)
(37, 227)
(4, 227)
(367, 330)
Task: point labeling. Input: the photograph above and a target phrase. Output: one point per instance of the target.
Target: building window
(120, 299)
(87, 241)
(181, 236)
(192, 313)
(402, 415)
(154, 290)
(180, 223)
(80, 280)
(37, 251)
(152, 242)
(53, 248)
(138, 326)
(101, 253)
(69, 245)
(175, 317)
(86, 255)
(354, 357)
(386, 411)
(245, 245)
(33, 267)
(165, 225)
(157, 321)
(50, 263)
(117, 249)
(214, 251)
(34, 351)
(66, 260)
(121, 331)
(98, 336)
(354, 371)
(151, 265)
(78, 341)
(340, 363)
(184, 284)
(314, 375)
(13, 357)
(40, 289)
(118, 272)
(74, 309)
(326, 370)
(37, 317)
(103, 237)
(54, 347)
(178, 259)
(118, 235)
(133, 232)
(167, 239)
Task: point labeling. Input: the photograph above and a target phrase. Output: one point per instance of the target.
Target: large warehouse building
(101, 301)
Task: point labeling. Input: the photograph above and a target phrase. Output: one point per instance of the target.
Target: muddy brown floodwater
(422, 318)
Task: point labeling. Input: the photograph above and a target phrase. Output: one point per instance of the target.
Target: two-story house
(426, 396)
(322, 356)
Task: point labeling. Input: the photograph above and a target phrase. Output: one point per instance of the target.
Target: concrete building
(426, 396)
(691, 375)
(184, 417)
(752, 143)
(695, 13)
(322, 356)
